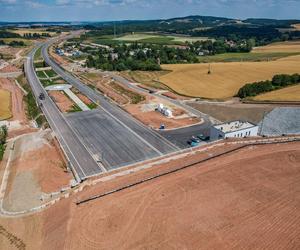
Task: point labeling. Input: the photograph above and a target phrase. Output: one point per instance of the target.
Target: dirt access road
(244, 200)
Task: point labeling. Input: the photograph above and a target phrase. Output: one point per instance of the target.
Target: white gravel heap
(281, 121)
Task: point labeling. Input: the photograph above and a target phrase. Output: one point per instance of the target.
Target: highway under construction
(99, 140)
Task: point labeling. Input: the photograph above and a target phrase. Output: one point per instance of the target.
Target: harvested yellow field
(5, 106)
(226, 78)
(289, 46)
(287, 94)
(296, 26)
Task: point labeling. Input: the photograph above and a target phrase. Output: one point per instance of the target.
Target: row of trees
(13, 43)
(278, 81)
(3, 135)
(8, 34)
(106, 63)
(35, 35)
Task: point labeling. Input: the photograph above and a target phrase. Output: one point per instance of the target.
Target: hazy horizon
(115, 10)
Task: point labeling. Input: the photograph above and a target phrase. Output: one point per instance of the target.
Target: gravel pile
(281, 121)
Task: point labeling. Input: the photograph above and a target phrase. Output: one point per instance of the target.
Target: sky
(109, 10)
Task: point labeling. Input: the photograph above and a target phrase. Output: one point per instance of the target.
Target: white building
(237, 129)
(164, 110)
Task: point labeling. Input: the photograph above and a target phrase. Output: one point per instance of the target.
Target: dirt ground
(9, 69)
(62, 101)
(149, 79)
(145, 112)
(217, 206)
(102, 84)
(154, 119)
(9, 52)
(229, 112)
(175, 96)
(82, 97)
(18, 109)
(36, 168)
(220, 204)
(60, 60)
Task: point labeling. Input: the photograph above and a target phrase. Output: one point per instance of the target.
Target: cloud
(8, 2)
(34, 4)
(100, 10)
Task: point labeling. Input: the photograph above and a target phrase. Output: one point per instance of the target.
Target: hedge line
(277, 82)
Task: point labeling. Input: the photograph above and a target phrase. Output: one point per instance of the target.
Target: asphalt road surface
(82, 163)
(107, 139)
(136, 134)
(180, 137)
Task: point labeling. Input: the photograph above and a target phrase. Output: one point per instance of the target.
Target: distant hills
(197, 20)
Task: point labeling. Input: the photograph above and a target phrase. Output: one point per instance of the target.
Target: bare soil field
(59, 59)
(5, 105)
(103, 85)
(217, 205)
(10, 52)
(286, 94)
(145, 112)
(9, 69)
(154, 119)
(82, 97)
(220, 204)
(226, 78)
(16, 103)
(288, 46)
(175, 96)
(229, 112)
(62, 101)
(36, 168)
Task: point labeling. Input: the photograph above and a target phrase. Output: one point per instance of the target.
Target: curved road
(151, 138)
(76, 153)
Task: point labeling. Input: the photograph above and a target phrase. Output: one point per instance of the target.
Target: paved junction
(109, 141)
(111, 136)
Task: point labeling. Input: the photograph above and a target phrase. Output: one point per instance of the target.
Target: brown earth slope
(245, 200)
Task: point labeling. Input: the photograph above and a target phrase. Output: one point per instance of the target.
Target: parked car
(195, 139)
(202, 137)
(193, 143)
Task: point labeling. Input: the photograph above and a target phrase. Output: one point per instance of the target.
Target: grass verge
(75, 108)
(134, 97)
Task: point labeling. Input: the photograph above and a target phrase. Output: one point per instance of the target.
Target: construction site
(94, 159)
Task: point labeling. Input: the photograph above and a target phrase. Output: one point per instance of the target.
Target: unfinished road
(113, 136)
(82, 163)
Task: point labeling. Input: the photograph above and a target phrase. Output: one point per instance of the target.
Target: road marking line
(30, 62)
(66, 77)
(101, 167)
